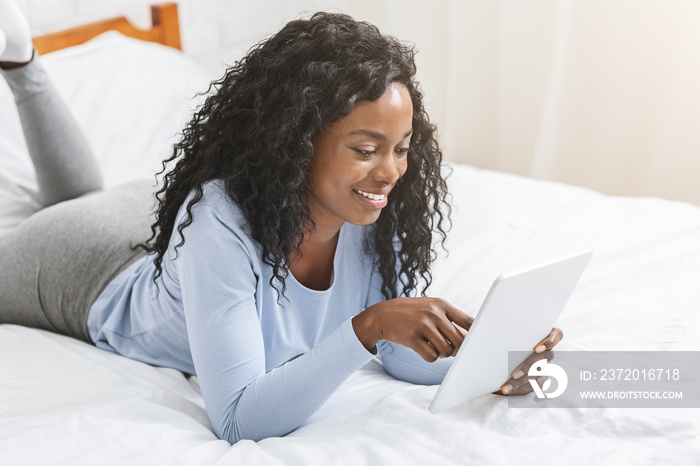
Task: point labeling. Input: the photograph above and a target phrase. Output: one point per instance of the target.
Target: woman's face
(359, 159)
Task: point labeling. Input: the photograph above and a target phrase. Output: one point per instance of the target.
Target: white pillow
(130, 97)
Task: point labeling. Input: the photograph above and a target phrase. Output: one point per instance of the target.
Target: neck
(320, 239)
(312, 266)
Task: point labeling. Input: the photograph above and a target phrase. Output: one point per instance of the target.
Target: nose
(389, 168)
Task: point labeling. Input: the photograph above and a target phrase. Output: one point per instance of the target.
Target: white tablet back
(519, 311)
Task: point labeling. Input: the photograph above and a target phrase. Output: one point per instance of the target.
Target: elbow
(234, 433)
(245, 421)
(231, 431)
(226, 427)
(226, 423)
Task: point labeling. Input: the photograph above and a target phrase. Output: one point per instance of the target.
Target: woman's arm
(416, 337)
(243, 401)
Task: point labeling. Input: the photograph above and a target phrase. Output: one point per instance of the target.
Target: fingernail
(518, 374)
(508, 388)
(540, 348)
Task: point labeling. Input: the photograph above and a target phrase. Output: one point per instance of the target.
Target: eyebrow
(377, 135)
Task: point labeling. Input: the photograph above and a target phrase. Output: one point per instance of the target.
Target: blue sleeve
(405, 364)
(401, 362)
(218, 286)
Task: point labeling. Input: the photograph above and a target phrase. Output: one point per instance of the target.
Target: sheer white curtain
(599, 93)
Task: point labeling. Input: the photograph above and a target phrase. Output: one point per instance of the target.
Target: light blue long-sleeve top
(264, 364)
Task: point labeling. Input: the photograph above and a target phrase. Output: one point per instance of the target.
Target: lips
(370, 195)
(372, 200)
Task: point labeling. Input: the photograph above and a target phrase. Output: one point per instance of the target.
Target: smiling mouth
(374, 197)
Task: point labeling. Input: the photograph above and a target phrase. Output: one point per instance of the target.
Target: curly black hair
(256, 133)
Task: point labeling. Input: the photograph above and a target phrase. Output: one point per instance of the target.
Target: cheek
(328, 179)
(403, 166)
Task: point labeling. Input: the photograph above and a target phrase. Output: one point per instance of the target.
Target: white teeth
(374, 197)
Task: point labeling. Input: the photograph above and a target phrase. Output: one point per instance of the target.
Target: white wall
(600, 93)
(217, 32)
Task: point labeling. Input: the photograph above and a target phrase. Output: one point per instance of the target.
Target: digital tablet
(519, 311)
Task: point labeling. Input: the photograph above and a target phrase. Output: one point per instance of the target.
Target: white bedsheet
(66, 402)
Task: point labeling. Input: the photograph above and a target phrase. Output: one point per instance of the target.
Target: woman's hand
(519, 384)
(431, 327)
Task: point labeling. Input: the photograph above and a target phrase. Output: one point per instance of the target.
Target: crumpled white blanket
(65, 402)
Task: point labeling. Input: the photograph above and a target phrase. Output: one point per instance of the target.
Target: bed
(66, 402)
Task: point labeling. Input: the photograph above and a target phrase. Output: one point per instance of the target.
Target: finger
(439, 342)
(505, 388)
(451, 333)
(460, 318)
(425, 349)
(508, 388)
(523, 386)
(524, 367)
(523, 389)
(554, 337)
(513, 385)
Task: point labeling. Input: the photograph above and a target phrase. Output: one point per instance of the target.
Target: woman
(293, 231)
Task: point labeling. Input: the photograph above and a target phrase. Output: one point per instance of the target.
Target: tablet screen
(519, 311)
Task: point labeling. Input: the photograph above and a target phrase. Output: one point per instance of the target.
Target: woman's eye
(366, 153)
(402, 151)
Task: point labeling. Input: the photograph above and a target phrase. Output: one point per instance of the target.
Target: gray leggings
(56, 263)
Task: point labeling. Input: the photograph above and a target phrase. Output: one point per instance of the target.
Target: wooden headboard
(165, 30)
